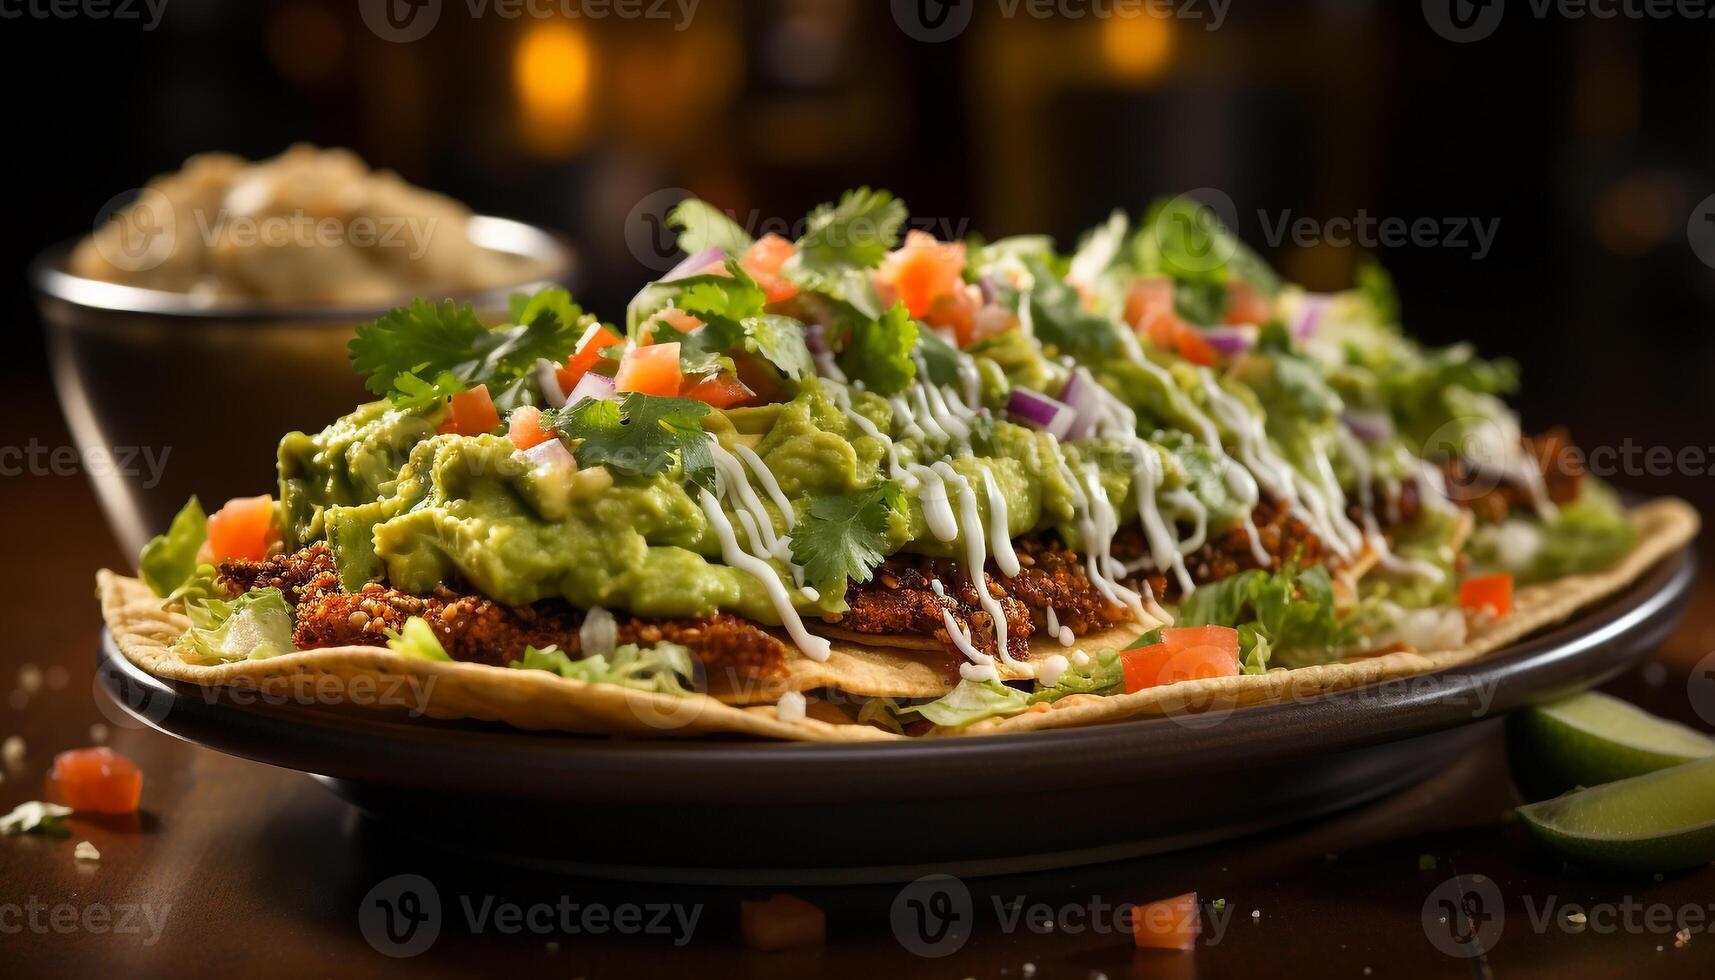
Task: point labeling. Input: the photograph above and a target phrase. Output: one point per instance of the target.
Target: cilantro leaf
(841, 537)
(426, 340)
(36, 817)
(780, 339)
(410, 391)
(641, 435)
(1058, 315)
(703, 226)
(732, 311)
(857, 232)
(879, 351)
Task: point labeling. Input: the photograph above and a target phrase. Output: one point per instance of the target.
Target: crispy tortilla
(538, 700)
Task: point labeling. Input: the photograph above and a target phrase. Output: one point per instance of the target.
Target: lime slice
(1591, 739)
(1660, 822)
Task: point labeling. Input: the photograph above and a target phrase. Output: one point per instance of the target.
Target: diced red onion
(1229, 340)
(591, 385)
(1315, 304)
(816, 338)
(986, 283)
(694, 264)
(1041, 412)
(1368, 425)
(1080, 393)
(548, 380)
(551, 455)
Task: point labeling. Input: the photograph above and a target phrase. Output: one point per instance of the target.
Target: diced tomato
(1184, 654)
(1146, 300)
(764, 260)
(957, 312)
(782, 922)
(1194, 348)
(524, 427)
(590, 346)
(1245, 305)
(719, 390)
(97, 780)
(1149, 309)
(652, 370)
(241, 529)
(1172, 923)
(1491, 592)
(923, 270)
(471, 413)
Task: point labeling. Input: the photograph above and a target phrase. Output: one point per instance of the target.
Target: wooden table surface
(239, 869)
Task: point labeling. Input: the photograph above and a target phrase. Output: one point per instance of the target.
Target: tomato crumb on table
(781, 922)
(1171, 923)
(97, 780)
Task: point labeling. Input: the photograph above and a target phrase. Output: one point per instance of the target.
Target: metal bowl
(167, 395)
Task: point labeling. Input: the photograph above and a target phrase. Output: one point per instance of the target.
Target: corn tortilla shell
(537, 700)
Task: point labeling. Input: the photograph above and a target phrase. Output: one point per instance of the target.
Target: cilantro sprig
(732, 307)
(419, 353)
(641, 435)
(878, 352)
(842, 536)
(842, 242)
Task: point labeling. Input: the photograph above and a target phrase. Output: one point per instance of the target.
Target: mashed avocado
(398, 500)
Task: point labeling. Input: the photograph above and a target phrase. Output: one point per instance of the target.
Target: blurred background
(1584, 147)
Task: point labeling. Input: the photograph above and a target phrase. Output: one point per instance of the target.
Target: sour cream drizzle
(814, 647)
(976, 556)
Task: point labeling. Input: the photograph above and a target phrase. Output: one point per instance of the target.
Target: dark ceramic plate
(734, 811)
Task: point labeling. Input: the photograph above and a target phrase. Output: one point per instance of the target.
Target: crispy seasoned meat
(477, 629)
(1052, 577)
(900, 598)
(1492, 498)
(1283, 537)
(299, 574)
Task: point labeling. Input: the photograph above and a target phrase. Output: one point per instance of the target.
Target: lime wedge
(1591, 739)
(1660, 822)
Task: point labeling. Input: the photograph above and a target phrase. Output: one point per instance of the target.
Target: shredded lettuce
(663, 668)
(1587, 534)
(1290, 610)
(417, 639)
(169, 559)
(971, 702)
(254, 626)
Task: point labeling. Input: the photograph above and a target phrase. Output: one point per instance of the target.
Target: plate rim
(1557, 660)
